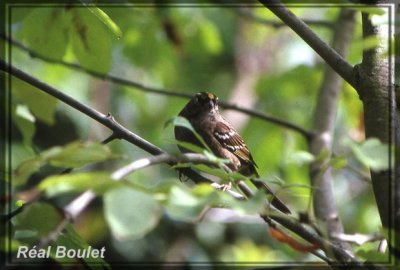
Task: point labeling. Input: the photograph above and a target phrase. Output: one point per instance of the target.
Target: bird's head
(202, 103)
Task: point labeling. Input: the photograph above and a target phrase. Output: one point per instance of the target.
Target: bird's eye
(198, 99)
(201, 99)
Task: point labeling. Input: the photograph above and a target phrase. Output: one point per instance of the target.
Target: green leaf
(252, 206)
(370, 42)
(130, 213)
(187, 204)
(39, 218)
(367, 43)
(40, 104)
(22, 111)
(372, 153)
(220, 173)
(338, 162)
(323, 155)
(183, 205)
(78, 182)
(91, 41)
(10, 245)
(203, 190)
(104, 18)
(191, 147)
(369, 252)
(183, 122)
(73, 155)
(25, 169)
(212, 171)
(180, 121)
(45, 31)
(78, 154)
(24, 120)
(301, 158)
(70, 239)
(213, 158)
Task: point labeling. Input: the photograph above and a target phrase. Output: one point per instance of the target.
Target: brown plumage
(224, 141)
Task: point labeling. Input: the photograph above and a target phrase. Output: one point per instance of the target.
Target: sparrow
(222, 139)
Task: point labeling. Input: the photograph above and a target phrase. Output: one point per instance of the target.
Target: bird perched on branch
(203, 114)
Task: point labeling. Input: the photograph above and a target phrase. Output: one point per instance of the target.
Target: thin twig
(107, 120)
(80, 203)
(331, 57)
(301, 230)
(154, 90)
(165, 158)
(357, 238)
(96, 74)
(54, 234)
(123, 133)
(264, 116)
(13, 213)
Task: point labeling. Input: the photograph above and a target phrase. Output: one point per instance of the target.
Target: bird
(222, 139)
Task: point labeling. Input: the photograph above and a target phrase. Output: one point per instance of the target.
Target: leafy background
(151, 216)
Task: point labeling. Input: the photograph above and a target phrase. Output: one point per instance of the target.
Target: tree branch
(78, 204)
(306, 133)
(73, 209)
(107, 120)
(331, 57)
(359, 239)
(165, 158)
(372, 80)
(161, 91)
(324, 122)
(307, 234)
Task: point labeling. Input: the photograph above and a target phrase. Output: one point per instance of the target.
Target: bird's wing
(232, 141)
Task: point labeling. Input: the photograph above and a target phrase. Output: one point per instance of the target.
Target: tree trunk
(324, 120)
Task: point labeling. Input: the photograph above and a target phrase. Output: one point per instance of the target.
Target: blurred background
(247, 57)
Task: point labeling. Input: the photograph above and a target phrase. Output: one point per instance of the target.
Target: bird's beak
(210, 105)
(213, 108)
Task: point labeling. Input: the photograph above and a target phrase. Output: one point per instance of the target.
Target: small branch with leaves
(121, 132)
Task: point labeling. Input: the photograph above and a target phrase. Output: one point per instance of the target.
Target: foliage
(151, 215)
(73, 155)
